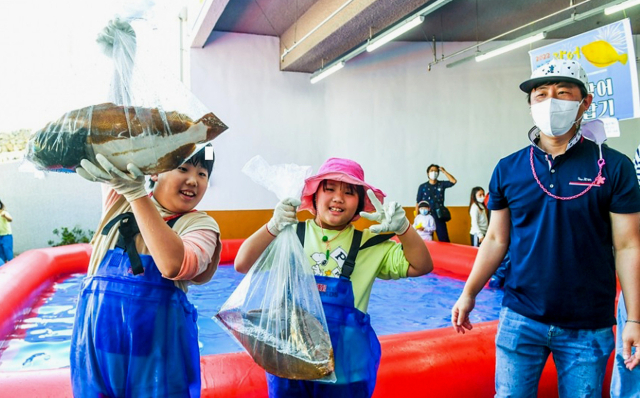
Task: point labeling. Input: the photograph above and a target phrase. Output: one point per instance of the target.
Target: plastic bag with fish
(150, 120)
(276, 312)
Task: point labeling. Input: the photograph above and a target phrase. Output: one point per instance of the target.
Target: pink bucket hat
(338, 169)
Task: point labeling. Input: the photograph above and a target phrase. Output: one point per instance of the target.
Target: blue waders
(135, 332)
(356, 347)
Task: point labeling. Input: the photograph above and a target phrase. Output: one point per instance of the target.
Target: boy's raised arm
(165, 246)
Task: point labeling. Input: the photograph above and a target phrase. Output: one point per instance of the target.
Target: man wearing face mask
(559, 206)
(432, 192)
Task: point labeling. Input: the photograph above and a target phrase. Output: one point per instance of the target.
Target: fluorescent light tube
(511, 46)
(395, 33)
(433, 7)
(621, 6)
(326, 72)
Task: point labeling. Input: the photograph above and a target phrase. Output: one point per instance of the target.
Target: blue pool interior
(42, 339)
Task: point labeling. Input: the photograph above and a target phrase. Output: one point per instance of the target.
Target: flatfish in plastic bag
(276, 312)
(156, 141)
(300, 348)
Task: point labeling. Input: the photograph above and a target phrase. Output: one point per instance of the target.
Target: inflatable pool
(432, 363)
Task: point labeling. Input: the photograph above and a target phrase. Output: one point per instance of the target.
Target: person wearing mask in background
(432, 191)
(424, 222)
(559, 294)
(478, 213)
(6, 237)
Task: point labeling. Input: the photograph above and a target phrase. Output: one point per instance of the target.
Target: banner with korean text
(607, 55)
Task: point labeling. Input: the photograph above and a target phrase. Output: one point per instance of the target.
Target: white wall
(38, 206)
(384, 110)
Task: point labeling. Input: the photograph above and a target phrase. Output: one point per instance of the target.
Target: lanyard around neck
(599, 180)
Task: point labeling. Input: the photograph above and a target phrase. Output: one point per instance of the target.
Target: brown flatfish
(154, 140)
(292, 346)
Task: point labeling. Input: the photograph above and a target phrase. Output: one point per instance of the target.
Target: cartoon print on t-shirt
(338, 255)
(321, 261)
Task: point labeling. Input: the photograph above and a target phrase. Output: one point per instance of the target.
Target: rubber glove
(284, 214)
(130, 185)
(117, 30)
(391, 216)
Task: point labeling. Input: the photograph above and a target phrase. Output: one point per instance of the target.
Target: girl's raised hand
(391, 216)
(284, 214)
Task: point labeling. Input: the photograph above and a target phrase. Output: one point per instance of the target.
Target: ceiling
(474, 21)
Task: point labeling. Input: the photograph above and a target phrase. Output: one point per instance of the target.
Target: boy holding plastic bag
(135, 332)
(345, 263)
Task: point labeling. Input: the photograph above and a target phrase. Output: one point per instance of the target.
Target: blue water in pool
(42, 339)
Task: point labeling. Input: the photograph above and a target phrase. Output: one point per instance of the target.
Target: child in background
(479, 220)
(424, 222)
(135, 332)
(6, 237)
(351, 260)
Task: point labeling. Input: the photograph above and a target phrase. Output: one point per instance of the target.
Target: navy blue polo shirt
(562, 265)
(434, 194)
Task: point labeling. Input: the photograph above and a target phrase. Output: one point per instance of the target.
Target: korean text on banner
(607, 55)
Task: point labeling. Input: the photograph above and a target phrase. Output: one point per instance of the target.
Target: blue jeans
(522, 348)
(625, 383)
(6, 248)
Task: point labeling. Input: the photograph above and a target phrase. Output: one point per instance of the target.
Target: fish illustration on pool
(155, 140)
(602, 54)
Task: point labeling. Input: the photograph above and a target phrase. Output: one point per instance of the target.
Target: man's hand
(130, 185)
(631, 338)
(284, 214)
(460, 313)
(391, 216)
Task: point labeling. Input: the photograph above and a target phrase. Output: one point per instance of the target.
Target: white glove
(130, 185)
(391, 216)
(116, 29)
(284, 214)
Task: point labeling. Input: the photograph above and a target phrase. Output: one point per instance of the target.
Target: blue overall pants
(356, 347)
(135, 334)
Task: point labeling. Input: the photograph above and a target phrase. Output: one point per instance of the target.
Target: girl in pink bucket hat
(342, 170)
(345, 262)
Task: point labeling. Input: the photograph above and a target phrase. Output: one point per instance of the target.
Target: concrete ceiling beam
(204, 18)
(334, 35)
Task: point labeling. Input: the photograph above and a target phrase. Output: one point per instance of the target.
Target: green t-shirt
(5, 226)
(385, 260)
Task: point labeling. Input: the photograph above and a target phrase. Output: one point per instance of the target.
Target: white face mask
(433, 175)
(480, 198)
(555, 117)
(424, 212)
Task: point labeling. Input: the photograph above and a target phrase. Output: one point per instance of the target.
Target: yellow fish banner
(602, 54)
(607, 55)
